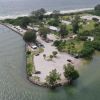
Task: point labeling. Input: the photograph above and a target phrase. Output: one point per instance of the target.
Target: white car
(34, 46)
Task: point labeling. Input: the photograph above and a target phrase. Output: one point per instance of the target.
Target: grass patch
(89, 26)
(30, 67)
(74, 46)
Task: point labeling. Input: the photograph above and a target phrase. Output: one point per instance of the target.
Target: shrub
(70, 73)
(28, 52)
(30, 36)
(29, 69)
(52, 78)
(54, 53)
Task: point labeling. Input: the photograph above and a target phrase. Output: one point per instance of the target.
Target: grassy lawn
(79, 45)
(88, 27)
(65, 17)
(69, 28)
(30, 64)
(74, 46)
(85, 27)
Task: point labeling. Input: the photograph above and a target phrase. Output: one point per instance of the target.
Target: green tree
(54, 22)
(51, 57)
(25, 22)
(28, 52)
(97, 7)
(75, 24)
(70, 73)
(30, 36)
(56, 12)
(39, 13)
(44, 55)
(52, 78)
(63, 31)
(96, 44)
(97, 10)
(87, 50)
(54, 53)
(44, 31)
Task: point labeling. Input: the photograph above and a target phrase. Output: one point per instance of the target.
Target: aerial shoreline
(62, 82)
(47, 13)
(35, 72)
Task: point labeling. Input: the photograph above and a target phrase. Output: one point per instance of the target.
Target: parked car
(37, 54)
(69, 60)
(34, 47)
(37, 72)
(41, 45)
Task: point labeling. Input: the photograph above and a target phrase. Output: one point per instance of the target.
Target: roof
(90, 38)
(34, 46)
(53, 28)
(66, 22)
(29, 27)
(90, 17)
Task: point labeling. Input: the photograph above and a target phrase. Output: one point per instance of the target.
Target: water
(15, 86)
(19, 7)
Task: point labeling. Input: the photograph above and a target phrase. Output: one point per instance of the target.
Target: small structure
(33, 28)
(90, 17)
(19, 29)
(73, 36)
(36, 29)
(29, 27)
(66, 22)
(91, 38)
(52, 37)
(53, 28)
(34, 46)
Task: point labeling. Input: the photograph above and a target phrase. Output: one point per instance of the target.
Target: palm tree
(54, 53)
(51, 57)
(44, 55)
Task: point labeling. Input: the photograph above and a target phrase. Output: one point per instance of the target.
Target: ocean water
(20, 7)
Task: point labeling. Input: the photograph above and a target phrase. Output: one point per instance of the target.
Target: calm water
(14, 85)
(15, 7)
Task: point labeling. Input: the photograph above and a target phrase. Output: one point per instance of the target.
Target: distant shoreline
(71, 11)
(47, 13)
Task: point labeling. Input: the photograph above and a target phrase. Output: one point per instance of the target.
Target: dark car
(37, 54)
(41, 45)
(37, 72)
(69, 60)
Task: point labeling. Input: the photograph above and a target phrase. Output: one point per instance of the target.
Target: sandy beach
(71, 11)
(45, 66)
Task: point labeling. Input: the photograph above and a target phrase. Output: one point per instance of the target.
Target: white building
(90, 17)
(91, 38)
(53, 28)
(66, 22)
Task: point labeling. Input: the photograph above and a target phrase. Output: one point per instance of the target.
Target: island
(56, 43)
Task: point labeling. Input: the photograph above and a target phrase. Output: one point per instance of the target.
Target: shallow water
(15, 86)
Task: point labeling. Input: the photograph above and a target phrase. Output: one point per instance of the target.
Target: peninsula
(56, 42)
